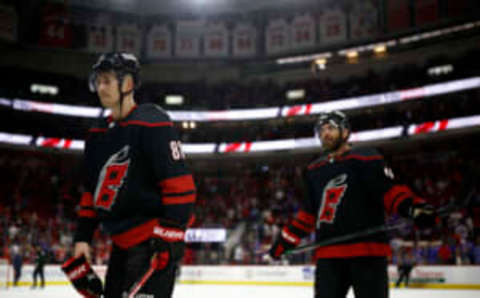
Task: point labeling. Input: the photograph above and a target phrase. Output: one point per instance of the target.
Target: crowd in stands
(41, 190)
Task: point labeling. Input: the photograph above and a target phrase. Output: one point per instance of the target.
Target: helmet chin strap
(122, 94)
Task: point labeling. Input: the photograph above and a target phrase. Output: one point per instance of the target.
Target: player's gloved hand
(281, 245)
(423, 215)
(168, 246)
(83, 278)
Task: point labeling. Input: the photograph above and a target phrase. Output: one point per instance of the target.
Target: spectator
(445, 253)
(476, 251)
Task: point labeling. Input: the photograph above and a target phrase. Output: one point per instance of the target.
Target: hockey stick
(146, 276)
(334, 240)
(441, 212)
(139, 284)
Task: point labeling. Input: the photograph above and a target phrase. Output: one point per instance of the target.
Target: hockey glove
(285, 241)
(423, 215)
(168, 246)
(83, 278)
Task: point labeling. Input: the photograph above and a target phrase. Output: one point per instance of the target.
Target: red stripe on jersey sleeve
(185, 199)
(178, 190)
(306, 217)
(394, 196)
(299, 225)
(176, 185)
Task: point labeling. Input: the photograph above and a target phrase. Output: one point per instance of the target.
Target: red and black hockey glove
(290, 236)
(286, 240)
(168, 245)
(424, 215)
(83, 278)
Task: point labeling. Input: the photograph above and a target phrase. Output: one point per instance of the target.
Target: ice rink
(229, 291)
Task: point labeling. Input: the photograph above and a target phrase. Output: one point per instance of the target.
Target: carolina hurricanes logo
(331, 198)
(111, 178)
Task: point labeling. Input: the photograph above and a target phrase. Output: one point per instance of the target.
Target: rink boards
(444, 277)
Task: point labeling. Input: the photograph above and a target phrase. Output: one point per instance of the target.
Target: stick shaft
(141, 283)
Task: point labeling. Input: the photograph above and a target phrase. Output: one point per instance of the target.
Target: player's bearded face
(107, 89)
(330, 136)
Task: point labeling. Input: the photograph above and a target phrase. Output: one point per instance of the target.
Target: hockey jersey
(137, 183)
(347, 194)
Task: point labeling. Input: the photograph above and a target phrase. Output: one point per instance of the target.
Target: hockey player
(138, 187)
(349, 190)
(40, 260)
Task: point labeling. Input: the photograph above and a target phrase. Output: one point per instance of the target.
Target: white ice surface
(228, 291)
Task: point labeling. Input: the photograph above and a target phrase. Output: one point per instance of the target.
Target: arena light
(16, 139)
(265, 113)
(440, 70)
(5, 102)
(265, 146)
(380, 49)
(440, 32)
(44, 89)
(295, 94)
(321, 64)
(55, 108)
(368, 47)
(352, 55)
(304, 58)
(174, 100)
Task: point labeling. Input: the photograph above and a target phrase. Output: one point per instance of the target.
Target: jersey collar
(110, 118)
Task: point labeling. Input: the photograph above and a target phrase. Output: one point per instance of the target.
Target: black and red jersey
(347, 194)
(136, 180)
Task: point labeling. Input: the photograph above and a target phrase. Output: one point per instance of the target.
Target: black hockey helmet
(120, 63)
(335, 118)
